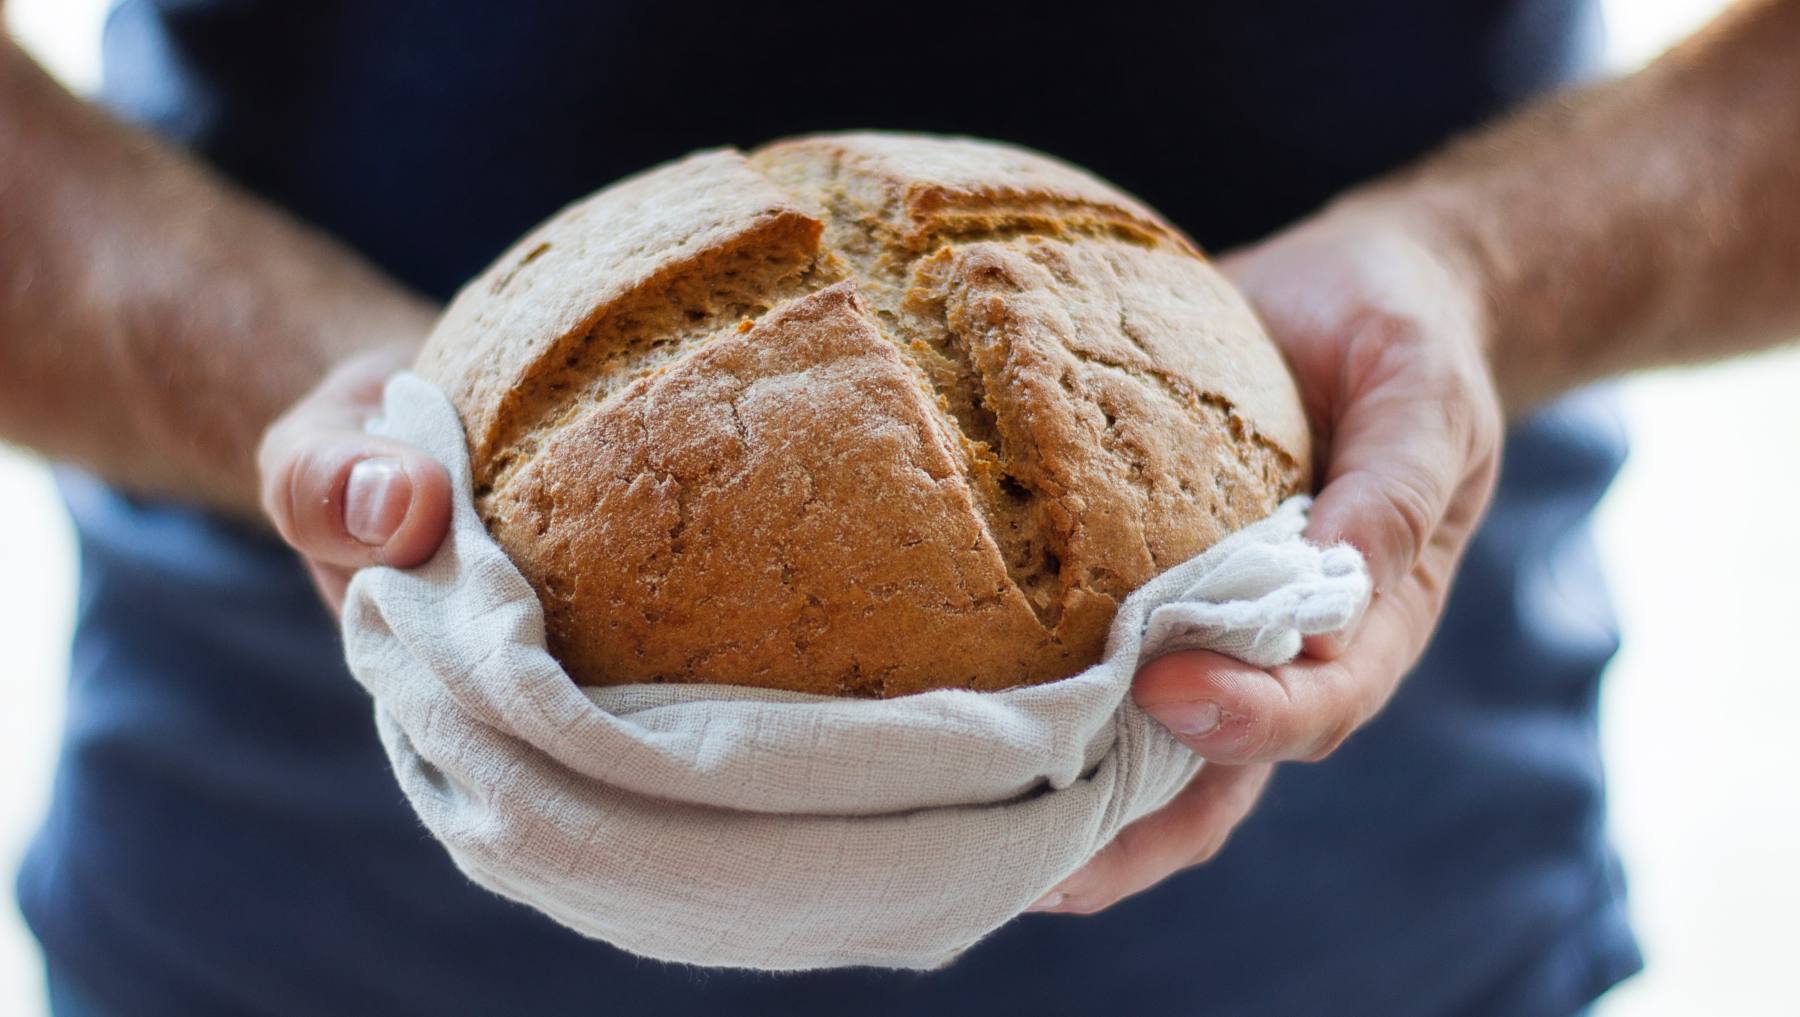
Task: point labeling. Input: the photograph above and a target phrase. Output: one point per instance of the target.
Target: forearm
(1645, 221)
(153, 319)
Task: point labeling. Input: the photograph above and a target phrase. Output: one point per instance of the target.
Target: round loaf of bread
(862, 414)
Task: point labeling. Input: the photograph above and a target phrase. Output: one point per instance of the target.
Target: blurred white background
(1698, 707)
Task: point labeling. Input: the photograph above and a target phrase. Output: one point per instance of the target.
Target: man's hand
(1643, 221)
(1385, 335)
(345, 498)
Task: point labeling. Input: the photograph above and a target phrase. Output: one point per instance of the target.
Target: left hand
(343, 498)
(1384, 329)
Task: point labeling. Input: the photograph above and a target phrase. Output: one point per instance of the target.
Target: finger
(1232, 712)
(331, 582)
(1414, 425)
(345, 498)
(1329, 645)
(1187, 831)
(1229, 711)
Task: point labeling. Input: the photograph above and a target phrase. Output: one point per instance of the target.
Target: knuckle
(289, 458)
(1208, 845)
(1474, 411)
(1382, 346)
(1330, 739)
(272, 452)
(1411, 507)
(311, 496)
(1448, 385)
(277, 496)
(1452, 376)
(1359, 700)
(1258, 735)
(1489, 418)
(1433, 576)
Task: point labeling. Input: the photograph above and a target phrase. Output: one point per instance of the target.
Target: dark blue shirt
(225, 837)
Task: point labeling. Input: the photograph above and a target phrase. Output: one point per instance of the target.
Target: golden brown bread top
(858, 414)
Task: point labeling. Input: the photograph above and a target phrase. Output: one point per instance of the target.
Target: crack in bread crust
(893, 263)
(1086, 463)
(908, 262)
(656, 324)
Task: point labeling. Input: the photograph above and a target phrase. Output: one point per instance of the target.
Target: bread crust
(858, 414)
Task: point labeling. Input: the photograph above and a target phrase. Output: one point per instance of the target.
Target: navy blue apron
(225, 837)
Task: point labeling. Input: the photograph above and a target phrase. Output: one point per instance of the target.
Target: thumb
(345, 498)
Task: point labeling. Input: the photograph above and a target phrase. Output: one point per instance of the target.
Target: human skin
(154, 320)
(180, 338)
(1646, 221)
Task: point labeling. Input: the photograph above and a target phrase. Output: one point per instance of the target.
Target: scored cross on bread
(858, 415)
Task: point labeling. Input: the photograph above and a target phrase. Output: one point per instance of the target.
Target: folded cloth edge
(540, 790)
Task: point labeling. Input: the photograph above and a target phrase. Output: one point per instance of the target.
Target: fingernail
(1048, 901)
(1191, 719)
(375, 500)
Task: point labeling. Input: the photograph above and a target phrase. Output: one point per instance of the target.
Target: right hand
(1386, 333)
(342, 497)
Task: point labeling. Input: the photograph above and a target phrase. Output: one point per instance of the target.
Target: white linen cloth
(736, 827)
